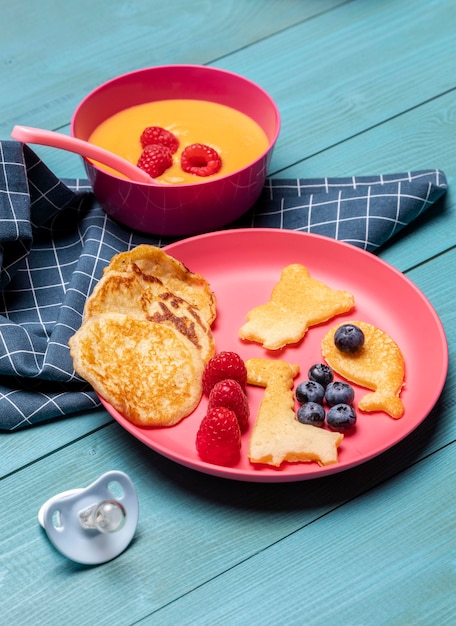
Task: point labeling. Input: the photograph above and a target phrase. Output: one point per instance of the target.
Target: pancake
(379, 365)
(297, 302)
(277, 435)
(148, 371)
(133, 294)
(154, 264)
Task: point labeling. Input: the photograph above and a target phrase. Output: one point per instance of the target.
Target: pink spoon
(27, 134)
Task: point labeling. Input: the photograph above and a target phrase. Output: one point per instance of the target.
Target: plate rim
(270, 474)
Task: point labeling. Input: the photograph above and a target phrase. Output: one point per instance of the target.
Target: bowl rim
(180, 66)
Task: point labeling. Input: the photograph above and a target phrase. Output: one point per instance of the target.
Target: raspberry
(161, 136)
(218, 439)
(155, 160)
(229, 393)
(222, 366)
(200, 160)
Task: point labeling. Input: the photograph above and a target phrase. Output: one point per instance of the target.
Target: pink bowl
(178, 209)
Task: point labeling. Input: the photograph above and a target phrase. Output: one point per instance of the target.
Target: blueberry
(311, 413)
(349, 338)
(341, 417)
(321, 373)
(310, 391)
(339, 393)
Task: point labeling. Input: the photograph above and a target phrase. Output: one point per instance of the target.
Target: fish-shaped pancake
(378, 365)
(297, 301)
(277, 435)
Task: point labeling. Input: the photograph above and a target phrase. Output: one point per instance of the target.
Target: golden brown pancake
(277, 435)
(154, 264)
(131, 293)
(379, 365)
(297, 301)
(148, 371)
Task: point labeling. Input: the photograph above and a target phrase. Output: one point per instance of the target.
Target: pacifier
(95, 524)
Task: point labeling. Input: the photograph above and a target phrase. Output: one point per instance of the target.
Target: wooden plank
(357, 67)
(20, 448)
(172, 556)
(440, 292)
(353, 84)
(75, 48)
(417, 139)
(385, 558)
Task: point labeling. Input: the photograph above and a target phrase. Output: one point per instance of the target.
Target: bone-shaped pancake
(277, 435)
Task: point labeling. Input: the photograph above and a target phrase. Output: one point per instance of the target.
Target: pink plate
(242, 266)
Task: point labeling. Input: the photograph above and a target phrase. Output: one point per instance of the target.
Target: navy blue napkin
(55, 241)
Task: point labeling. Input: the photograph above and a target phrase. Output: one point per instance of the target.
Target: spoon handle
(28, 134)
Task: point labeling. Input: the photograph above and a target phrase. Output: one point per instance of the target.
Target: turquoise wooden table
(363, 88)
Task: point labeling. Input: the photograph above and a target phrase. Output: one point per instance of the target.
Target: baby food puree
(235, 136)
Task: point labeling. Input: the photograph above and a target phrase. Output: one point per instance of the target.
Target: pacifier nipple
(95, 524)
(106, 517)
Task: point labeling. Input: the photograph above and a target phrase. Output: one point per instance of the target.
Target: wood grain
(363, 88)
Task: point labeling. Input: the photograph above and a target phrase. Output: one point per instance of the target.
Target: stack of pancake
(146, 337)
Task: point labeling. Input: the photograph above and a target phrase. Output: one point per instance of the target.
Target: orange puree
(235, 136)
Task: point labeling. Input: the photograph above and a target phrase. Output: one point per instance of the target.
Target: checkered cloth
(55, 241)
